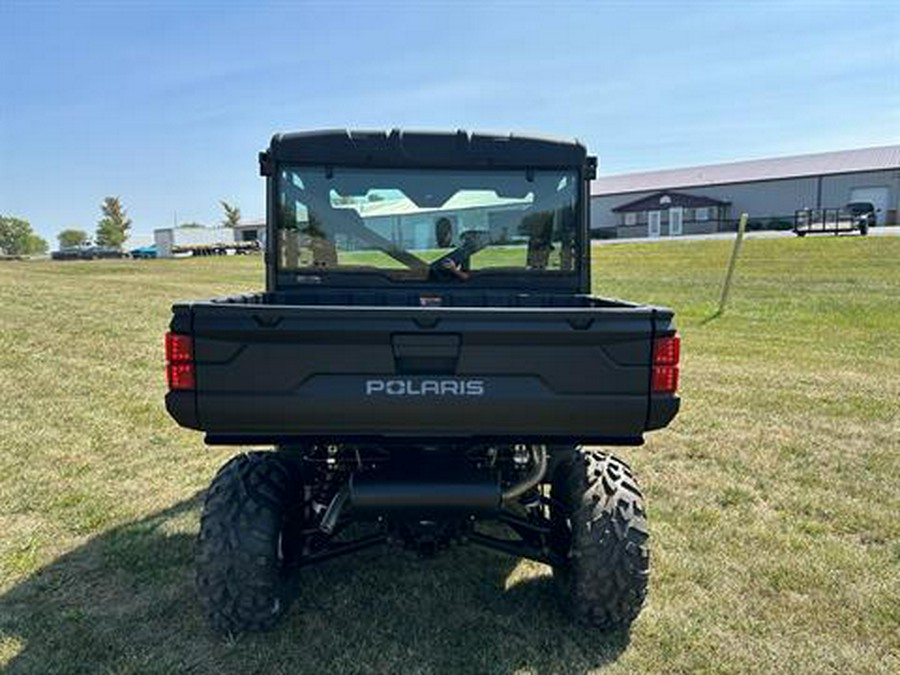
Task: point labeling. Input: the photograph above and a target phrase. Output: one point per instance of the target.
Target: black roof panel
(398, 148)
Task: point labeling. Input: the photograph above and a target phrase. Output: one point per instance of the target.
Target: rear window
(427, 224)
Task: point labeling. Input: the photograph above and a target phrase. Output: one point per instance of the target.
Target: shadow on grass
(709, 318)
(124, 603)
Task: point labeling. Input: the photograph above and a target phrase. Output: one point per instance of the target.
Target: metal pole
(726, 287)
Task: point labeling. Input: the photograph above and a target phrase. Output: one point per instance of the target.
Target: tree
(71, 238)
(17, 237)
(36, 245)
(112, 229)
(189, 226)
(232, 214)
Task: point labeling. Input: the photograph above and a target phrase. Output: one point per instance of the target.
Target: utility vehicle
(426, 363)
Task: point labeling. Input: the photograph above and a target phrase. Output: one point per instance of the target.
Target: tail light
(666, 352)
(180, 362)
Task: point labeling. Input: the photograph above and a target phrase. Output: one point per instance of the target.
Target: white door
(676, 218)
(877, 196)
(653, 220)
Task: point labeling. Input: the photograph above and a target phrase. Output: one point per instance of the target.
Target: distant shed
(770, 190)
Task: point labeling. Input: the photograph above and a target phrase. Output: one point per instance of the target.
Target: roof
(250, 224)
(668, 199)
(823, 163)
(401, 148)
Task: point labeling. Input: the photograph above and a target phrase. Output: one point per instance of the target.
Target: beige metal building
(706, 199)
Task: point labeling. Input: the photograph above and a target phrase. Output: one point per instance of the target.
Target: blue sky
(166, 104)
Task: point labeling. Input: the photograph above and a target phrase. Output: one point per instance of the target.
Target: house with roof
(707, 199)
(671, 214)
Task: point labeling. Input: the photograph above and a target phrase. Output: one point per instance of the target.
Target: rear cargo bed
(334, 365)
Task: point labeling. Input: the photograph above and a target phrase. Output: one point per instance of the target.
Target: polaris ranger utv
(426, 361)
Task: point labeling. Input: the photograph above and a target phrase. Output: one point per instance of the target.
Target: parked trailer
(234, 248)
(184, 240)
(855, 217)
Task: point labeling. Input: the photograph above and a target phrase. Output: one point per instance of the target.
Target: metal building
(706, 199)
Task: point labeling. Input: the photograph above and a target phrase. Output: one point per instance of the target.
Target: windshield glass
(427, 224)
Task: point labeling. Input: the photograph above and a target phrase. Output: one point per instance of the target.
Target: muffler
(373, 495)
(420, 496)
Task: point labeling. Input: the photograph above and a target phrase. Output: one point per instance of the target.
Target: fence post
(726, 287)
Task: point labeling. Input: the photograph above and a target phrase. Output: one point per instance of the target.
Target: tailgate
(268, 373)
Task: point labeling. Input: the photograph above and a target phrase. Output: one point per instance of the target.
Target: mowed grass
(774, 497)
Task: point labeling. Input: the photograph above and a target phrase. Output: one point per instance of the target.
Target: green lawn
(774, 497)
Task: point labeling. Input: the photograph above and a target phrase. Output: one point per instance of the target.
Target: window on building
(631, 218)
(701, 213)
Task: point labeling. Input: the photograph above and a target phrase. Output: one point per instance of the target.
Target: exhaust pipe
(373, 495)
(539, 470)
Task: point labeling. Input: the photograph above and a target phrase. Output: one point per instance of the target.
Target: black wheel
(600, 528)
(244, 570)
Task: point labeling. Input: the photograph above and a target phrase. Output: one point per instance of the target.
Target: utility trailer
(221, 248)
(185, 241)
(855, 217)
(426, 364)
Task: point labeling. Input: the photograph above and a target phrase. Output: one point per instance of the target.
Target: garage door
(877, 196)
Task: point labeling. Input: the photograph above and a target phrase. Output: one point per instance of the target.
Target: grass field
(774, 497)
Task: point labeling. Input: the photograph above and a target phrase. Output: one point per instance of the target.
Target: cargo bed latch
(581, 323)
(431, 354)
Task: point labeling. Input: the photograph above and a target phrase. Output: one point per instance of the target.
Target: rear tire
(600, 528)
(244, 578)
